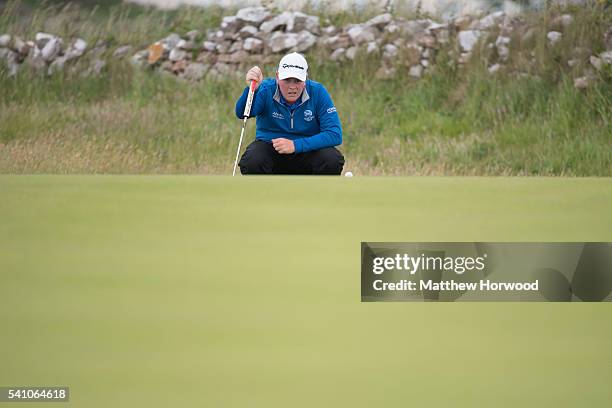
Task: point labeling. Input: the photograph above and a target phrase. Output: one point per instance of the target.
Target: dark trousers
(261, 158)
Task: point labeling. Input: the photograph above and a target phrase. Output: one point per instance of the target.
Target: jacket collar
(277, 94)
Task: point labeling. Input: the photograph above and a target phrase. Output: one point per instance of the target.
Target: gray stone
(247, 31)
(462, 23)
(195, 71)
(253, 45)
(427, 40)
(411, 54)
(582, 53)
(338, 54)
(338, 41)
(95, 69)
(57, 65)
(503, 52)
(379, 21)
(463, 57)
(596, 62)
(207, 57)
(192, 35)
(238, 57)
(185, 45)
(253, 15)
(385, 72)
(236, 46)
(171, 41)
(100, 48)
(51, 49)
(443, 36)
(177, 54)
(360, 34)
(140, 58)
(329, 30)
(435, 27)
(372, 47)
(494, 68)
(582, 82)
(5, 40)
(606, 57)
(351, 52)
(231, 24)
(284, 19)
(42, 39)
(392, 29)
(564, 20)
(79, 46)
(305, 41)
(209, 46)
(488, 21)
(279, 42)
(306, 22)
(416, 71)
(468, 39)
(553, 36)
(425, 63)
(223, 47)
(122, 51)
(390, 51)
(573, 62)
(409, 29)
(11, 59)
(502, 47)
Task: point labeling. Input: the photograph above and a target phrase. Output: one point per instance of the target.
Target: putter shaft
(247, 112)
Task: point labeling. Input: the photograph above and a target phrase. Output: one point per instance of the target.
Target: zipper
(292, 112)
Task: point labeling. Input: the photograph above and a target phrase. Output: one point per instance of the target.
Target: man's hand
(254, 74)
(283, 146)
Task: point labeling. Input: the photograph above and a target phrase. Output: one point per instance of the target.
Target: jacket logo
(277, 115)
(332, 109)
(308, 115)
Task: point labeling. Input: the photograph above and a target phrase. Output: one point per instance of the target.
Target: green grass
(452, 122)
(212, 291)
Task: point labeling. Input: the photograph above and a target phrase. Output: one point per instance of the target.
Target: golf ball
(348, 174)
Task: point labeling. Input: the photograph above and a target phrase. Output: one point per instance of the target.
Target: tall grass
(453, 121)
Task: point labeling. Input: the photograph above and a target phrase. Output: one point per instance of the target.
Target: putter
(247, 111)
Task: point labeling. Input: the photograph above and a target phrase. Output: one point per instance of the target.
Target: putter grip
(247, 108)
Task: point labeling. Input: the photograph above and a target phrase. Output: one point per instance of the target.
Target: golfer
(297, 123)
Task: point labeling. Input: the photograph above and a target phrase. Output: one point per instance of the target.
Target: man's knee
(327, 161)
(257, 158)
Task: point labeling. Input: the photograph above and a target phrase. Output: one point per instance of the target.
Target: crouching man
(297, 123)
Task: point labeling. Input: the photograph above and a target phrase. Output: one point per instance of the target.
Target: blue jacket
(313, 123)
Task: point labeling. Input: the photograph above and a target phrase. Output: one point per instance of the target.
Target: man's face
(291, 88)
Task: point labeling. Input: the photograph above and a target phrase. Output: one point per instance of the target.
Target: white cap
(293, 65)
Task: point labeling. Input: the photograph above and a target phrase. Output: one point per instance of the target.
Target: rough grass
(453, 122)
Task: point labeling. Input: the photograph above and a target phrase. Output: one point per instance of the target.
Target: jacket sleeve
(331, 129)
(258, 105)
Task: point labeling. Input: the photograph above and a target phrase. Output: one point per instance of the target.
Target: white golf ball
(348, 174)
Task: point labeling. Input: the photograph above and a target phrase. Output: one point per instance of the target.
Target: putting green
(160, 291)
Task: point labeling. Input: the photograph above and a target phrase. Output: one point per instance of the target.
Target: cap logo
(292, 66)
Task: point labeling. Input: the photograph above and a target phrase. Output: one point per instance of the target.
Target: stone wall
(255, 36)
